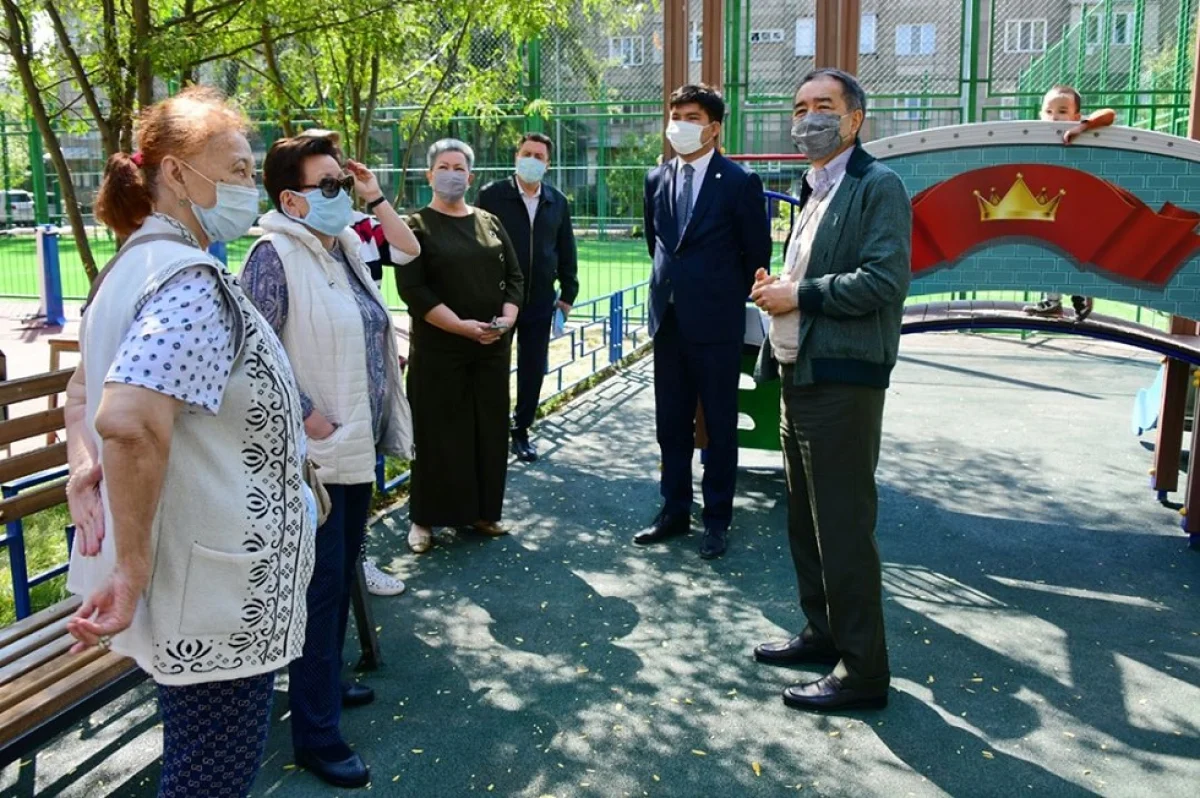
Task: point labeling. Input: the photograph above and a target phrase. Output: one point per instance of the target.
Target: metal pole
(37, 173)
(1106, 31)
(4, 153)
(849, 22)
(712, 36)
(733, 91)
(675, 57)
(973, 64)
(1135, 61)
(1181, 64)
(534, 122)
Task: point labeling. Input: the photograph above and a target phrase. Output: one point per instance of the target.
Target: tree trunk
(19, 48)
(142, 66)
(285, 119)
(368, 116)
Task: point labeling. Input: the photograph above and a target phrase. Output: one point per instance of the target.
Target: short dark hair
(852, 90)
(540, 138)
(283, 168)
(1070, 91)
(702, 95)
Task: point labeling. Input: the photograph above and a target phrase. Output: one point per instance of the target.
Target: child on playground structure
(1063, 104)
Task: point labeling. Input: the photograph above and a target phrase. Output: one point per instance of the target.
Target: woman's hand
(107, 611)
(87, 509)
(479, 331)
(366, 185)
(317, 427)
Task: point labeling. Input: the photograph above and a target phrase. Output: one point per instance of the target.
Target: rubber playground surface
(1041, 607)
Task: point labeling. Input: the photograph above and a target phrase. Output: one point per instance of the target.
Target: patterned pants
(214, 735)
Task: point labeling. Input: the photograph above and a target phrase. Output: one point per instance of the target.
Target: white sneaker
(379, 583)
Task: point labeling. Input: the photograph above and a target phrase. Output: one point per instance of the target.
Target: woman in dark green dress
(463, 293)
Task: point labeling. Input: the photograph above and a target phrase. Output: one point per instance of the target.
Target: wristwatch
(375, 203)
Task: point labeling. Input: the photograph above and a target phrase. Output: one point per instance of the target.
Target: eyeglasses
(330, 186)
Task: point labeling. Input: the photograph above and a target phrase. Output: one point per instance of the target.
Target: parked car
(16, 207)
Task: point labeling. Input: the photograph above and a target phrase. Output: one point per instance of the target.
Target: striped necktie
(684, 205)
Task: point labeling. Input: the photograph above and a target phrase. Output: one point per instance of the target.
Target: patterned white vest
(234, 534)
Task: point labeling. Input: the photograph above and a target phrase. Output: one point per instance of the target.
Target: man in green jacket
(835, 330)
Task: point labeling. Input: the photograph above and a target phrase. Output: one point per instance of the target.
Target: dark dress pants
(315, 679)
(533, 345)
(685, 373)
(830, 436)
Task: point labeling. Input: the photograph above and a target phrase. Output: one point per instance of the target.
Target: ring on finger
(105, 642)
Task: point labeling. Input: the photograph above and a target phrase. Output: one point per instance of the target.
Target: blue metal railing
(14, 541)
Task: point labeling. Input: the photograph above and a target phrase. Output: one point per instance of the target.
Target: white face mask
(234, 212)
(685, 137)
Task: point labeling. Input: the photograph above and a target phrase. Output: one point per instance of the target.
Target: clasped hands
(485, 333)
(773, 295)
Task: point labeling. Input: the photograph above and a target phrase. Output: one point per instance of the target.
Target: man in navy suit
(707, 231)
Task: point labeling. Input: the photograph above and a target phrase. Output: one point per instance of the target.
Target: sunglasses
(330, 186)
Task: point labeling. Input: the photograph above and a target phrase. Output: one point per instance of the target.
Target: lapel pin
(717, 175)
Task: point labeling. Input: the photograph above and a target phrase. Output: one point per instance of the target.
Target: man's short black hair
(702, 95)
(1070, 91)
(283, 168)
(540, 138)
(852, 90)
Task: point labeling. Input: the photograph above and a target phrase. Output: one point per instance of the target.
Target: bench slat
(78, 685)
(22, 427)
(13, 632)
(36, 658)
(32, 641)
(23, 465)
(33, 501)
(26, 388)
(41, 679)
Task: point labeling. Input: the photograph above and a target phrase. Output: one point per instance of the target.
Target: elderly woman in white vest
(307, 277)
(186, 450)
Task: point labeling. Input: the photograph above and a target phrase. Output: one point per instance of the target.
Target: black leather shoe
(796, 651)
(829, 695)
(351, 772)
(525, 451)
(356, 695)
(713, 545)
(664, 527)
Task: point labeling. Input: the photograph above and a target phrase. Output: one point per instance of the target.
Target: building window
(1091, 29)
(697, 43)
(1025, 36)
(1122, 31)
(916, 39)
(770, 36)
(626, 51)
(913, 114)
(866, 34)
(806, 37)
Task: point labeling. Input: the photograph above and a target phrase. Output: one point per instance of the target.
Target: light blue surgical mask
(531, 170)
(232, 215)
(327, 215)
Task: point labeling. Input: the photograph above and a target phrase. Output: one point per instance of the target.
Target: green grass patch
(45, 547)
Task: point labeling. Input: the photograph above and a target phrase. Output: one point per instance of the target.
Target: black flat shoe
(350, 772)
(663, 528)
(356, 695)
(713, 545)
(830, 695)
(525, 451)
(796, 651)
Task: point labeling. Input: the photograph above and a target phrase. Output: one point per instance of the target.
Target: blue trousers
(684, 373)
(214, 735)
(314, 680)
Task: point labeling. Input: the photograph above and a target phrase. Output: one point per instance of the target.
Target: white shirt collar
(525, 195)
(700, 164)
(822, 179)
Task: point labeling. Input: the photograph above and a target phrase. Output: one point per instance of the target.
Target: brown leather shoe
(830, 695)
(490, 528)
(797, 651)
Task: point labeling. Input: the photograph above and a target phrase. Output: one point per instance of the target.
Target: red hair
(180, 126)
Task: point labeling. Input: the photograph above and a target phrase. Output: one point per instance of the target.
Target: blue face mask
(327, 215)
(531, 170)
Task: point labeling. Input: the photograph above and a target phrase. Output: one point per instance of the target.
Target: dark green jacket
(852, 297)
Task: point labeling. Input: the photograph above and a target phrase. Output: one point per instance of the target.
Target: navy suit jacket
(710, 267)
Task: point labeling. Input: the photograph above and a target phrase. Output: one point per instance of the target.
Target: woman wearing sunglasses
(307, 278)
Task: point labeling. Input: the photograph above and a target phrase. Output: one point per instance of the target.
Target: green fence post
(533, 85)
(4, 154)
(602, 179)
(733, 91)
(1182, 59)
(1106, 32)
(1135, 62)
(398, 179)
(1081, 50)
(973, 65)
(37, 172)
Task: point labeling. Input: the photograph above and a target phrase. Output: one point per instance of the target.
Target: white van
(16, 207)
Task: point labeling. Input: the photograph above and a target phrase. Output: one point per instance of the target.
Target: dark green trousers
(830, 436)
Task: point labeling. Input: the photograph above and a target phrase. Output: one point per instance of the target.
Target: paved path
(1042, 615)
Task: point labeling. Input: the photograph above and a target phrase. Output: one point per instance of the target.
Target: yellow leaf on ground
(988, 755)
(698, 752)
(757, 768)
(418, 750)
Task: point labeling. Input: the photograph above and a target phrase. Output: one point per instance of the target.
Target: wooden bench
(43, 688)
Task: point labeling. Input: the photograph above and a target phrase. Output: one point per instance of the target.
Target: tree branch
(82, 76)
